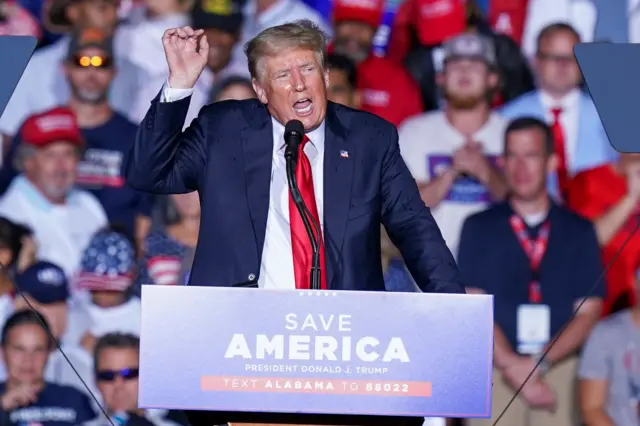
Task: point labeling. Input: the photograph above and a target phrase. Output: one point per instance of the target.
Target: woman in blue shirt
(26, 397)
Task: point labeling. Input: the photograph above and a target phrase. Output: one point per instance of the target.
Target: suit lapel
(338, 171)
(257, 147)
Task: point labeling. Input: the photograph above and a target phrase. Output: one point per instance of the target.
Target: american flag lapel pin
(344, 154)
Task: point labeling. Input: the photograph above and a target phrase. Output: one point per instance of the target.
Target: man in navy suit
(350, 173)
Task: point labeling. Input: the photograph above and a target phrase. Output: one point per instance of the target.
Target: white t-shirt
(61, 231)
(87, 317)
(427, 144)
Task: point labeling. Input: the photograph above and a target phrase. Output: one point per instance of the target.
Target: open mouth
(303, 106)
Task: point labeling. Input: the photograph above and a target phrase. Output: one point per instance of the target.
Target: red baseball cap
(388, 90)
(438, 20)
(366, 11)
(55, 125)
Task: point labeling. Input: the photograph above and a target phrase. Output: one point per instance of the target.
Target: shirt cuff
(172, 95)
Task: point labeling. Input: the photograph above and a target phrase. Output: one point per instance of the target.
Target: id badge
(533, 328)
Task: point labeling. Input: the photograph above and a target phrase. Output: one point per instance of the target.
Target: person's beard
(59, 187)
(56, 192)
(465, 102)
(340, 46)
(89, 96)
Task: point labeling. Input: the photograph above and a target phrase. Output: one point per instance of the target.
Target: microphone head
(293, 134)
(293, 127)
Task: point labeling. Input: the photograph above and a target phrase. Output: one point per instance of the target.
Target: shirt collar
(34, 196)
(316, 137)
(505, 207)
(570, 100)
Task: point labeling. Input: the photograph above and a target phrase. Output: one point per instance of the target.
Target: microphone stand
(307, 220)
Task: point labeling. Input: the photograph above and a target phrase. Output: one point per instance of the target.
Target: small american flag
(344, 154)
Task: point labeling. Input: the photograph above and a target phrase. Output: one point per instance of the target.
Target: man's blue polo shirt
(491, 258)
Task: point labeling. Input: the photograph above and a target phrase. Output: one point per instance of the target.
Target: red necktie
(300, 244)
(558, 136)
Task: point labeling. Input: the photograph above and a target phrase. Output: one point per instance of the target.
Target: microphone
(293, 135)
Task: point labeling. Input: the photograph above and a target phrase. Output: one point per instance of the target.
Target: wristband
(543, 364)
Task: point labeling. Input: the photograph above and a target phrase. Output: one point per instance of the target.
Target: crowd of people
(494, 124)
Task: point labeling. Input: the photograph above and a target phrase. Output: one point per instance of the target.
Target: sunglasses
(92, 61)
(111, 375)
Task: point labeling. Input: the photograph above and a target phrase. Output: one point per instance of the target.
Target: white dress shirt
(569, 117)
(276, 269)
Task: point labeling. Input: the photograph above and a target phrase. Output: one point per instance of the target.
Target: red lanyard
(534, 249)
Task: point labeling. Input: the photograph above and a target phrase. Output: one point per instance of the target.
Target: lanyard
(534, 249)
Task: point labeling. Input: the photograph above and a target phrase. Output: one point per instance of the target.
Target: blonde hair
(301, 34)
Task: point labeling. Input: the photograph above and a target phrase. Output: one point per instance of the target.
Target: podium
(316, 357)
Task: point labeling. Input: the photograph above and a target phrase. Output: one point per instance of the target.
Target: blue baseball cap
(45, 282)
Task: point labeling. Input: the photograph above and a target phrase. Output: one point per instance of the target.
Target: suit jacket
(226, 155)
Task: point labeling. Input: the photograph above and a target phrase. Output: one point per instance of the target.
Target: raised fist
(187, 51)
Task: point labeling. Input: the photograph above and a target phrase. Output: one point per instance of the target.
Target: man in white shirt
(349, 172)
(63, 219)
(295, 89)
(453, 153)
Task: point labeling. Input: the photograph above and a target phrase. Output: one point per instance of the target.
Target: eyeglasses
(111, 375)
(562, 59)
(92, 61)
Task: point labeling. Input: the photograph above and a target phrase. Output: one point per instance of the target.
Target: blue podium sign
(316, 352)
(16, 52)
(610, 71)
